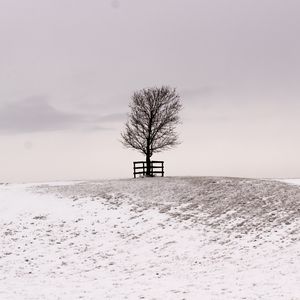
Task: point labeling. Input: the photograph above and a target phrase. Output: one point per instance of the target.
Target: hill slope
(172, 238)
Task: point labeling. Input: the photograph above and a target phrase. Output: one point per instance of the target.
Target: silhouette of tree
(151, 124)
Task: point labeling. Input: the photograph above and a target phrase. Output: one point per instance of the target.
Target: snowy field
(155, 238)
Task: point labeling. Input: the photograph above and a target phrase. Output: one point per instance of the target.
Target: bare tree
(150, 127)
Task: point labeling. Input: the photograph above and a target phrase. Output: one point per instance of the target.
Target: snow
(160, 238)
(291, 181)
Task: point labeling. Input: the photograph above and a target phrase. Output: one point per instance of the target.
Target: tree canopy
(152, 121)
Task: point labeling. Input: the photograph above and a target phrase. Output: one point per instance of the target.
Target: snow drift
(151, 238)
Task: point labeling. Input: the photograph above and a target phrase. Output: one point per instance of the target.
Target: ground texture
(150, 238)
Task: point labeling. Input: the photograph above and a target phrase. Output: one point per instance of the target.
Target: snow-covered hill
(150, 238)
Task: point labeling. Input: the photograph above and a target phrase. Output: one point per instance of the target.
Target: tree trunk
(148, 166)
(148, 161)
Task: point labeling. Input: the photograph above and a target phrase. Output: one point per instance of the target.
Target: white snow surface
(291, 181)
(160, 238)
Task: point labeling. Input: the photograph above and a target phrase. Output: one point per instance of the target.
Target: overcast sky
(69, 67)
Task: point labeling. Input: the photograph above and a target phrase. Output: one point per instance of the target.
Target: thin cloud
(119, 117)
(36, 114)
(193, 94)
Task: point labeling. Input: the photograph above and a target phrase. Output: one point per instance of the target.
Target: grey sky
(68, 68)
